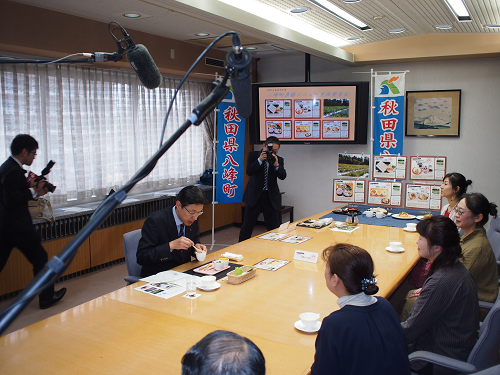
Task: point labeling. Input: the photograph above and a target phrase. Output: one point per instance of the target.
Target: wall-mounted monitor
(329, 112)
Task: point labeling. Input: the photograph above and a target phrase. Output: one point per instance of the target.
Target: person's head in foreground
(439, 241)
(349, 270)
(223, 353)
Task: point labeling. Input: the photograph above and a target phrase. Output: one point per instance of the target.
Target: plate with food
(209, 269)
(404, 215)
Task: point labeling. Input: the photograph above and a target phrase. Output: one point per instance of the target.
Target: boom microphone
(239, 61)
(138, 56)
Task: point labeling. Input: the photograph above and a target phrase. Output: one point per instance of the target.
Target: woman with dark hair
(364, 336)
(472, 213)
(453, 188)
(445, 317)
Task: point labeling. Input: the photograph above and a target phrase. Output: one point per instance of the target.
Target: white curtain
(99, 126)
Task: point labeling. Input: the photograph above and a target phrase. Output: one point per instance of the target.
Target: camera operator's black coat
(256, 182)
(16, 227)
(256, 199)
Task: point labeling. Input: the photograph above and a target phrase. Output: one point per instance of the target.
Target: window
(100, 126)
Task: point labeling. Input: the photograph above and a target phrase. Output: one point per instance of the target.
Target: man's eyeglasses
(195, 214)
(34, 153)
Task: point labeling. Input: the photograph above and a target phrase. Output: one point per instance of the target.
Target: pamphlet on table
(271, 264)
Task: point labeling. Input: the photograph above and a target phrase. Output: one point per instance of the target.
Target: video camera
(270, 153)
(45, 172)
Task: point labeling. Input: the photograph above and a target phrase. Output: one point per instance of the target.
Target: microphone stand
(56, 266)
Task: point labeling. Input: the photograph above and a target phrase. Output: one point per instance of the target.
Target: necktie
(181, 233)
(265, 175)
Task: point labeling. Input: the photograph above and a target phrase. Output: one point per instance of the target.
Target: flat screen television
(312, 112)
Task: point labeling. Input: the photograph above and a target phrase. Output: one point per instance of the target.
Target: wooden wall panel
(106, 244)
(224, 215)
(18, 272)
(80, 262)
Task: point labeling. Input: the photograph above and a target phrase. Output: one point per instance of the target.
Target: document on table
(345, 228)
(273, 236)
(164, 284)
(162, 289)
(271, 264)
(296, 239)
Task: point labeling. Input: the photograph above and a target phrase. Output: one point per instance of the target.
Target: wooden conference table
(130, 332)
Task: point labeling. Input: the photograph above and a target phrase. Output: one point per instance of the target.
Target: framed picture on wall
(433, 113)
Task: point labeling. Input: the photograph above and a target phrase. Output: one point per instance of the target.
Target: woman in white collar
(364, 336)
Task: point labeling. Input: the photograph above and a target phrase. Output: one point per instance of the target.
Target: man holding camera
(262, 193)
(16, 227)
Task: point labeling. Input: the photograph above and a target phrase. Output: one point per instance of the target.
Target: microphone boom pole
(59, 263)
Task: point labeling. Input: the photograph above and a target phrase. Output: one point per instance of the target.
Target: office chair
(493, 234)
(485, 353)
(130, 242)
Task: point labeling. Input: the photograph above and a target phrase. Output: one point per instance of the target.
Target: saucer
(409, 230)
(298, 324)
(388, 248)
(216, 286)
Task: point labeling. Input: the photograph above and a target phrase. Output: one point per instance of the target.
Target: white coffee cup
(369, 213)
(411, 226)
(218, 264)
(225, 262)
(309, 319)
(395, 246)
(208, 281)
(380, 215)
(201, 256)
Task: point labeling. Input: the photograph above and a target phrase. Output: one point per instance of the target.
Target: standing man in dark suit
(262, 193)
(168, 235)
(16, 227)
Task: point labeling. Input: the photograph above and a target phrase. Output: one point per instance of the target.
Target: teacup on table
(218, 264)
(309, 319)
(208, 281)
(411, 226)
(225, 262)
(395, 246)
(201, 256)
(369, 213)
(380, 215)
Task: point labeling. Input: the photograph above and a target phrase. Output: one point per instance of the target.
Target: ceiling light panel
(459, 10)
(363, 10)
(326, 5)
(437, 12)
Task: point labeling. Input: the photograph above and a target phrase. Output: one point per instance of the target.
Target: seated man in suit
(168, 235)
(262, 193)
(223, 353)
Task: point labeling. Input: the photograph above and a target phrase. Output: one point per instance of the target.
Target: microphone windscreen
(242, 91)
(241, 80)
(144, 66)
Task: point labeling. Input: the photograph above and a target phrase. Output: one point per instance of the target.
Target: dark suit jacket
(256, 182)
(14, 197)
(153, 251)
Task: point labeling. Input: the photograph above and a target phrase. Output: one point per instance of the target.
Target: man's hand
(182, 243)
(201, 247)
(39, 187)
(276, 163)
(263, 156)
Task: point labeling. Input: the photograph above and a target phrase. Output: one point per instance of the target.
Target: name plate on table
(306, 256)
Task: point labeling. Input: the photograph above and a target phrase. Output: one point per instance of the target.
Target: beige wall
(476, 153)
